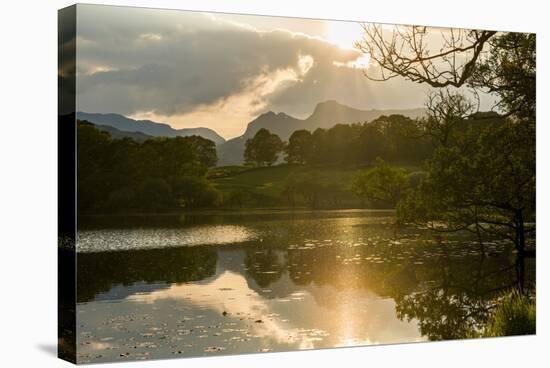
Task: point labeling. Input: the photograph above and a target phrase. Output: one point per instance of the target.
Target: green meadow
(258, 187)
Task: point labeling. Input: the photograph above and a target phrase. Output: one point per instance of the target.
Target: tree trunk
(520, 233)
(520, 273)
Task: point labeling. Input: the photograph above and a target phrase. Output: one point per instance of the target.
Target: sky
(220, 71)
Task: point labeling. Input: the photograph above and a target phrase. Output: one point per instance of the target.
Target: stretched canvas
(235, 184)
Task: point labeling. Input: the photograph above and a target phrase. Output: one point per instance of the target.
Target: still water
(208, 284)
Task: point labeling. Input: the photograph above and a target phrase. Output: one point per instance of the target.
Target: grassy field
(265, 186)
(270, 181)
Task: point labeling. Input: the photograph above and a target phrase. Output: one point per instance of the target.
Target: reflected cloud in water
(278, 283)
(355, 320)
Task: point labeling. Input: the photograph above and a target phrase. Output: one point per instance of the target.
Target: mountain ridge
(148, 127)
(230, 152)
(325, 115)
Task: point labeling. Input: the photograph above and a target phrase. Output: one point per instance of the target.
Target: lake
(225, 283)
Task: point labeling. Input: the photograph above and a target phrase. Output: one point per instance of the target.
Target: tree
(372, 143)
(446, 109)
(393, 138)
(125, 175)
(195, 192)
(299, 147)
(398, 138)
(320, 151)
(486, 182)
(341, 143)
(205, 149)
(263, 149)
(503, 64)
(93, 145)
(485, 179)
(510, 73)
(405, 52)
(122, 199)
(155, 194)
(458, 300)
(380, 184)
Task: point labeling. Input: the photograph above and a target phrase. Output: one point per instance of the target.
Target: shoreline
(244, 211)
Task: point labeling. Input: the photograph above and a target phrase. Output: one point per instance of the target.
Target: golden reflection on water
(278, 283)
(144, 238)
(352, 317)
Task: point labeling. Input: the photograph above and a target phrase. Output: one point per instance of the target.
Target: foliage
(481, 177)
(503, 64)
(394, 138)
(460, 295)
(514, 314)
(443, 313)
(381, 184)
(282, 186)
(205, 150)
(309, 189)
(510, 73)
(154, 194)
(373, 143)
(485, 182)
(409, 52)
(195, 192)
(263, 149)
(299, 148)
(157, 174)
(446, 111)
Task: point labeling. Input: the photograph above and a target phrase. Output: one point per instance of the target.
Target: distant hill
(147, 127)
(115, 133)
(325, 115)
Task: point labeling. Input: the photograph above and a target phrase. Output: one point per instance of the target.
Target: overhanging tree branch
(404, 52)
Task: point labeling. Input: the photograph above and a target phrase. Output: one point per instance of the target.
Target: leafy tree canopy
(263, 149)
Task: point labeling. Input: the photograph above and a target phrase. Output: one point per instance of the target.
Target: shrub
(515, 314)
(196, 192)
(121, 199)
(155, 194)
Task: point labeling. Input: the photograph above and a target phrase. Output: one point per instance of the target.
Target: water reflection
(106, 240)
(114, 275)
(301, 282)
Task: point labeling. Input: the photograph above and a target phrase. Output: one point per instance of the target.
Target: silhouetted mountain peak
(271, 115)
(325, 115)
(283, 115)
(330, 108)
(148, 127)
(274, 122)
(329, 105)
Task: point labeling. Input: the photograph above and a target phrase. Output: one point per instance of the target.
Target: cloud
(193, 69)
(306, 324)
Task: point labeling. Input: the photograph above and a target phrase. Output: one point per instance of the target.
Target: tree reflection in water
(445, 287)
(457, 299)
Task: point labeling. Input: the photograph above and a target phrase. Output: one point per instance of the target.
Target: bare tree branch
(405, 53)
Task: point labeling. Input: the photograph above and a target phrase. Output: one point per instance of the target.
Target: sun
(343, 34)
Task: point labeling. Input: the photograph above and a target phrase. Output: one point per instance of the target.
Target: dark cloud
(66, 56)
(170, 62)
(348, 85)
